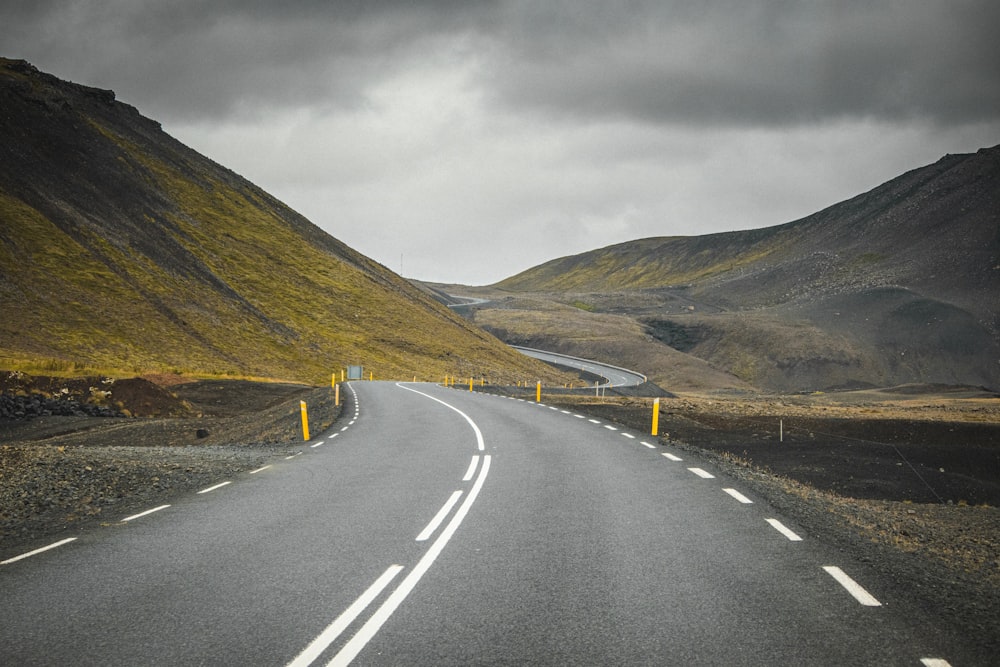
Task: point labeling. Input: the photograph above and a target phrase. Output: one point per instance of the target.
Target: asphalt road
(613, 375)
(434, 526)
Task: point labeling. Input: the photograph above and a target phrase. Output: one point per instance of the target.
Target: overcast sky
(464, 141)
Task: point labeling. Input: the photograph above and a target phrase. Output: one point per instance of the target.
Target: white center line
(671, 456)
(859, 593)
(37, 551)
(439, 517)
(701, 473)
(372, 626)
(784, 530)
(213, 488)
(472, 469)
(332, 631)
(140, 514)
(739, 496)
(480, 444)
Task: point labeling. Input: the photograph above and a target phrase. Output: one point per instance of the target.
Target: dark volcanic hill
(897, 285)
(122, 250)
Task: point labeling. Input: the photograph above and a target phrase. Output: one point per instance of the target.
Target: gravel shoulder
(61, 475)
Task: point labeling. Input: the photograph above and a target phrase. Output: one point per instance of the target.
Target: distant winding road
(613, 375)
(433, 526)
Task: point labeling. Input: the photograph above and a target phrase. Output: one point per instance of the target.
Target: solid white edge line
(375, 622)
(701, 473)
(784, 530)
(332, 631)
(213, 488)
(480, 445)
(439, 517)
(37, 551)
(852, 587)
(261, 469)
(472, 468)
(140, 514)
(739, 496)
(671, 456)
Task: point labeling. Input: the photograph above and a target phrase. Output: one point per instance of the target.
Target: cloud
(761, 63)
(464, 141)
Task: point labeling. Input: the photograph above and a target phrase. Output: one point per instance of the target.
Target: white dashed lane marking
(142, 514)
(781, 528)
(213, 488)
(37, 551)
(739, 496)
(852, 587)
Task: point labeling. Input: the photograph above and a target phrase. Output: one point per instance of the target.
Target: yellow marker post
(336, 394)
(305, 420)
(656, 416)
(471, 380)
(538, 392)
(371, 375)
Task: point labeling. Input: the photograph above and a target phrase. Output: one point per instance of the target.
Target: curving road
(613, 375)
(432, 526)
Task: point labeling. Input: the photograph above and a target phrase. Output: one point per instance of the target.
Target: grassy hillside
(123, 251)
(900, 284)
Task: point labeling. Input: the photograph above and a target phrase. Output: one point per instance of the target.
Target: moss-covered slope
(124, 251)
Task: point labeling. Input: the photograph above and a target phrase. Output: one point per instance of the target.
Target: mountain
(124, 251)
(900, 284)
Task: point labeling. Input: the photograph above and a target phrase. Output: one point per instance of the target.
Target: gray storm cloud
(439, 137)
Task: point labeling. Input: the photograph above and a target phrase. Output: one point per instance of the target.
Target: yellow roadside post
(656, 416)
(538, 392)
(305, 420)
(336, 394)
(471, 380)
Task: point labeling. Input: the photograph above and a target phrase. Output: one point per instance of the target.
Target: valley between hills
(845, 366)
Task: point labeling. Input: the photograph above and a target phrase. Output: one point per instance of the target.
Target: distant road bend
(613, 375)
